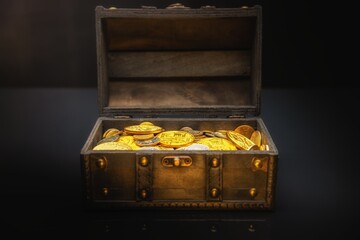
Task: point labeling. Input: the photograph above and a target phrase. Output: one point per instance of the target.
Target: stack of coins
(147, 136)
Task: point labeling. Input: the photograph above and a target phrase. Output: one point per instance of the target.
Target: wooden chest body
(199, 68)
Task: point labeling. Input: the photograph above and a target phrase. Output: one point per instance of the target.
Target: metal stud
(215, 162)
(144, 161)
(143, 194)
(176, 162)
(101, 163)
(214, 193)
(105, 191)
(258, 163)
(252, 192)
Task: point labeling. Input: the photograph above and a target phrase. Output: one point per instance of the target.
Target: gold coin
(111, 132)
(197, 138)
(165, 148)
(242, 142)
(245, 130)
(150, 142)
(195, 146)
(222, 131)
(113, 138)
(126, 134)
(150, 148)
(186, 129)
(147, 123)
(209, 134)
(256, 137)
(175, 139)
(112, 146)
(215, 143)
(220, 135)
(264, 147)
(129, 140)
(155, 148)
(142, 129)
(144, 136)
(196, 132)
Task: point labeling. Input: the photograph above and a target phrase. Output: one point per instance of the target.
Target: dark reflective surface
(178, 225)
(315, 130)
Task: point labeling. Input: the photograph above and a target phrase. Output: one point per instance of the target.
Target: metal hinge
(177, 6)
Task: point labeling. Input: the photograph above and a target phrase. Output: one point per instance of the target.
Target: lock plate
(176, 161)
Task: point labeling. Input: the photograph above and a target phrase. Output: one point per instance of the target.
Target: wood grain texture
(159, 45)
(180, 33)
(179, 64)
(179, 92)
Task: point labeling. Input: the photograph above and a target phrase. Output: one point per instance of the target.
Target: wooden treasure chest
(179, 102)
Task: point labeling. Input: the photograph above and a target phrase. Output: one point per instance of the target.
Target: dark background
(48, 107)
(52, 43)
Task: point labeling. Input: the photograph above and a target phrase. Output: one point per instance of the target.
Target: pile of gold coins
(147, 136)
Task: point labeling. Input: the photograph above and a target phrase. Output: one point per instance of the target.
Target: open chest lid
(179, 62)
